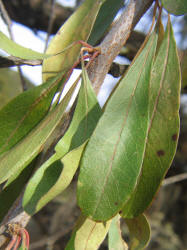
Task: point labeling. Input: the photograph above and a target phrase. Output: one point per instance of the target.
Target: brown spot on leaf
(160, 153)
(120, 212)
(116, 203)
(174, 137)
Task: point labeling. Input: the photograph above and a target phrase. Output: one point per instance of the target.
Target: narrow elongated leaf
(18, 157)
(105, 17)
(88, 234)
(17, 50)
(139, 232)
(61, 167)
(176, 7)
(76, 28)
(115, 240)
(115, 151)
(11, 192)
(85, 118)
(24, 112)
(51, 179)
(163, 125)
(10, 85)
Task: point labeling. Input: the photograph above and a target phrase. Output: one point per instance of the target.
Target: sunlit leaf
(17, 50)
(76, 28)
(176, 7)
(85, 118)
(51, 179)
(115, 240)
(10, 85)
(56, 174)
(112, 160)
(163, 125)
(88, 234)
(24, 112)
(17, 158)
(139, 232)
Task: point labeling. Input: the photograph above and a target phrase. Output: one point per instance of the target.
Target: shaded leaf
(115, 151)
(51, 179)
(183, 63)
(24, 112)
(163, 125)
(88, 234)
(17, 50)
(56, 174)
(85, 118)
(11, 192)
(105, 17)
(18, 157)
(139, 232)
(76, 28)
(115, 240)
(176, 7)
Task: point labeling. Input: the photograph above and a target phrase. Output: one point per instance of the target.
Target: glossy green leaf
(17, 50)
(17, 158)
(115, 151)
(104, 19)
(115, 240)
(139, 232)
(52, 178)
(61, 167)
(163, 125)
(176, 7)
(88, 234)
(76, 28)
(24, 112)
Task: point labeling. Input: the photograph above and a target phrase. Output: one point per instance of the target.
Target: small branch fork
(18, 235)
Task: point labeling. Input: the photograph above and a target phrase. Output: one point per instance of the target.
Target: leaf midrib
(118, 139)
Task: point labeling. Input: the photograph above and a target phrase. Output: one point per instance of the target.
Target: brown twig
(51, 21)
(9, 25)
(115, 39)
(174, 179)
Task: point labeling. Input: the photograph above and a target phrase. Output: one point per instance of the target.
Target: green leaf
(11, 192)
(105, 17)
(139, 232)
(115, 240)
(10, 85)
(176, 7)
(18, 157)
(163, 125)
(24, 112)
(85, 118)
(115, 151)
(76, 28)
(17, 50)
(88, 234)
(51, 179)
(61, 167)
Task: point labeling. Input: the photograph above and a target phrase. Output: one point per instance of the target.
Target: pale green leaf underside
(88, 234)
(19, 51)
